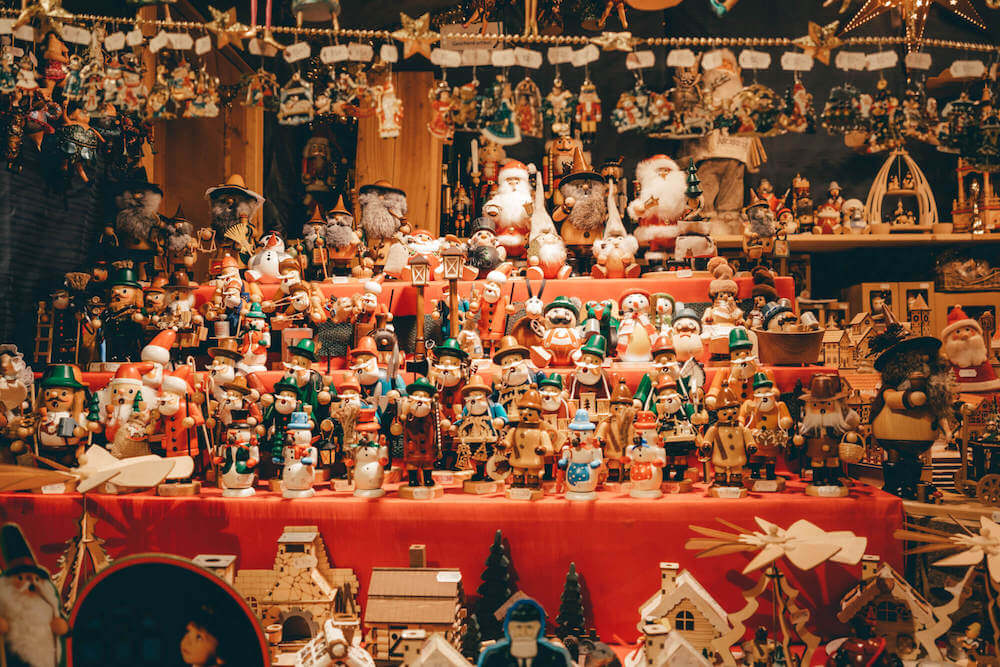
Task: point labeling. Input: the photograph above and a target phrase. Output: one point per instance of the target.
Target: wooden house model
(420, 649)
(301, 591)
(328, 649)
(412, 598)
(862, 389)
(683, 605)
(663, 647)
(221, 565)
(918, 316)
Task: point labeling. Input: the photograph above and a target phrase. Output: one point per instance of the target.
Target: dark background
(48, 230)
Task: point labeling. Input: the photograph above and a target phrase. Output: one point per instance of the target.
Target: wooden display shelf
(840, 242)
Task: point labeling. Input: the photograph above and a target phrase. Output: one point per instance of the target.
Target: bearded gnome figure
(31, 621)
(138, 225)
(965, 347)
(660, 204)
(232, 208)
(584, 209)
(383, 214)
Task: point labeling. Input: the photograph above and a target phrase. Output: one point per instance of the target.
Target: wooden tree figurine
(496, 589)
(570, 620)
(471, 639)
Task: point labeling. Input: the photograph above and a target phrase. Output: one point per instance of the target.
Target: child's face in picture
(198, 646)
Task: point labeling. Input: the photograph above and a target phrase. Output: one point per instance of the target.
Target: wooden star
(48, 13)
(821, 40)
(914, 14)
(614, 41)
(416, 35)
(225, 27)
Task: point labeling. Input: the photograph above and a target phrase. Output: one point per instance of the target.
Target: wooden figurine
(528, 444)
(492, 308)
(180, 416)
(738, 378)
(123, 397)
(724, 314)
(278, 408)
(728, 443)
(546, 248)
(299, 458)
(524, 640)
(256, 339)
(511, 208)
(616, 432)
(419, 424)
(516, 377)
(614, 254)
(768, 419)
(589, 382)
(647, 459)
(483, 251)
(479, 429)
(562, 336)
(761, 651)
(677, 432)
(828, 431)
(580, 458)
(658, 206)
(383, 214)
(59, 422)
(238, 455)
(583, 212)
(965, 346)
(120, 323)
(635, 330)
(312, 392)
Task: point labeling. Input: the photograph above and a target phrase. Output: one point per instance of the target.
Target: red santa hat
(178, 382)
(958, 319)
(648, 167)
(158, 349)
(513, 168)
(131, 373)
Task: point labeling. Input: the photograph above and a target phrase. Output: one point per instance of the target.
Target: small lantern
(452, 261)
(419, 271)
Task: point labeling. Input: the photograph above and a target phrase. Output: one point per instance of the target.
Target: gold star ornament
(416, 35)
(225, 27)
(914, 14)
(48, 13)
(614, 41)
(821, 40)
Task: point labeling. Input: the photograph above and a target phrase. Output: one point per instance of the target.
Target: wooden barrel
(798, 348)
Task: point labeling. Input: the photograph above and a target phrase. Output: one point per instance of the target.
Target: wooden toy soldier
(478, 429)
(676, 419)
(738, 378)
(528, 445)
(616, 432)
(121, 323)
(828, 430)
(418, 423)
(65, 330)
(729, 444)
(516, 377)
(768, 419)
(60, 420)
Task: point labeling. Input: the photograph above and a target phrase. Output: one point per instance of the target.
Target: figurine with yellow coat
(528, 444)
(768, 419)
(729, 444)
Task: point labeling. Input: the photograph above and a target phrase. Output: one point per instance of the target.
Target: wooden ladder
(43, 333)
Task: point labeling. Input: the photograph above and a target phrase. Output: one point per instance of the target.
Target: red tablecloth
(616, 542)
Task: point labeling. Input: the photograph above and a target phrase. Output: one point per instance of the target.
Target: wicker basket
(789, 348)
(952, 281)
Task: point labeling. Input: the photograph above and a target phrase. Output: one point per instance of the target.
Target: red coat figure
(492, 308)
(180, 415)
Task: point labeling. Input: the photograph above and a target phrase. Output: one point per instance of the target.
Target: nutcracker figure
(60, 419)
(646, 459)
(237, 457)
(299, 457)
(449, 371)
(828, 432)
(478, 430)
(369, 457)
(728, 443)
(677, 423)
(580, 458)
(419, 424)
(588, 111)
(121, 323)
(616, 431)
(768, 419)
(589, 382)
(527, 444)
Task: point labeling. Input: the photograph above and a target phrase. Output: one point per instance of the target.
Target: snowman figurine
(263, 266)
(369, 456)
(300, 458)
(238, 457)
(581, 457)
(647, 458)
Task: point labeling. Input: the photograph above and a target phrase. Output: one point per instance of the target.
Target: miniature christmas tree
(693, 182)
(471, 639)
(495, 590)
(570, 620)
(137, 403)
(94, 408)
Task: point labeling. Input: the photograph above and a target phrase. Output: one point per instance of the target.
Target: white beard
(30, 635)
(813, 420)
(687, 346)
(511, 208)
(966, 353)
(670, 193)
(515, 376)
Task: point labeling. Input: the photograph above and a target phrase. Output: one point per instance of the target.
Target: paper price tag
(882, 60)
(640, 60)
(750, 59)
(918, 60)
(180, 41)
(446, 58)
(475, 57)
(388, 53)
(680, 58)
(293, 53)
(75, 34)
(259, 48)
(851, 60)
(560, 54)
(527, 58)
(115, 41)
(449, 577)
(6, 26)
(333, 54)
(25, 32)
(202, 45)
(159, 42)
(711, 60)
(58, 487)
(360, 52)
(796, 62)
(503, 58)
(586, 55)
(963, 69)
(134, 37)
(452, 43)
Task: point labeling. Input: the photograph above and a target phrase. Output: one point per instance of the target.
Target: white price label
(388, 53)
(527, 58)
(560, 54)
(475, 57)
(967, 69)
(711, 60)
(58, 487)
(750, 59)
(180, 41)
(446, 58)
(918, 60)
(585, 56)
(134, 37)
(333, 54)
(640, 60)
(502, 58)
(293, 53)
(851, 60)
(360, 52)
(796, 62)
(25, 32)
(6, 26)
(75, 34)
(681, 58)
(882, 60)
(450, 41)
(115, 41)
(259, 48)
(449, 577)
(202, 45)
(159, 42)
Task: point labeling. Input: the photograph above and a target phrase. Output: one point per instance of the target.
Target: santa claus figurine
(180, 414)
(661, 202)
(965, 347)
(124, 397)
(511, 207)
(157, 353)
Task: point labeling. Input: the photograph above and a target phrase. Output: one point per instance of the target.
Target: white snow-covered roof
(686, 587)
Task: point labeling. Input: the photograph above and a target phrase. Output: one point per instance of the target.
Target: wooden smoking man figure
(528, 444)
(729, 444)
(616, 432)
(828, 434)
(769, 420)
(418, 423)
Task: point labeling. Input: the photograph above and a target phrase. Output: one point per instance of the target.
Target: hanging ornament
(914, 13)
(133, 92)
(205, 103)
(56, 57)
(753, 111)
(295, 102)
(559, 107)
(501, 127)
(14, 118)
(225, 27)
(78, 142)
(47, 13)
(528, 107)
(820, 41)
(388, 109)
(632, 110)
(317, 11)
(260, 89)
(182, 84)
(26, 76)
(798, 115)
(93, 85)
(158, 105)
(842, 111)
(614, 41)
(8, 71)
(588, 110)
(441, 125)
(919, 113)
(416, 35)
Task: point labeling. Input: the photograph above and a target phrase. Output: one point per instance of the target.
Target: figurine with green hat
(450, 368)
(554, 404)
(61, 428)
(280, 404)
(562, 337)
(742, 366)
(769, 419)
(121, 323)
(256, 339)
(581, 458)
(589, 377)
(418, 424)
(301, 356)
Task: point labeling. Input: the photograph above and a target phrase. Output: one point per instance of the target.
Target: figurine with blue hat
(524, 641)
(300, 456)
(580, 458)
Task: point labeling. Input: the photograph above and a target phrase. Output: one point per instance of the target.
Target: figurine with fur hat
(635, 329)
(479, 427)
(32, 627)
(647, 459)
(965, 347)
(738, 377)
(179, 242)
(368, 457)
(583, 212)
(232, 209)
(491, 306)
(383, 215)
(614, 254)
(581, 457)
(59, 422)
(527, 444)
(659, 205)
(616, 431)
(483, 251)
(562, 336)
(729, 444)
(511, 208)
(546, 249)
(724, 313)
(121, 323)
(828, 432)
(762, 293)
(768, 418)
(299, 458)
(589, 382)
(517, 375)
(694, 246)
(237, 455)
(418, 423)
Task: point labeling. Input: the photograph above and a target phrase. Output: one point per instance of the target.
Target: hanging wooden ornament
(528, 107)
(93, 85)
(588, 110)
(205, 103)
(225, 27)
(295, 103)
(632, 110)
(501, 126)
(465, 105)
(389, 109)
(8, 72)
(441, 125)
(260, 89)
(559, 107)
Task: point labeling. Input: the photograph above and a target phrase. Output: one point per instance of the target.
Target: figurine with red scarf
(966, 349)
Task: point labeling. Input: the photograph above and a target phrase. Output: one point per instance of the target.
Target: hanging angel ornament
(441, 125)
(295, 102)
(559, 108)
(501, 127)
(528, 107)
(588, 111)
(389, 109)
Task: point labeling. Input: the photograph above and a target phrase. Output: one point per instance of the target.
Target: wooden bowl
(798, 348)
